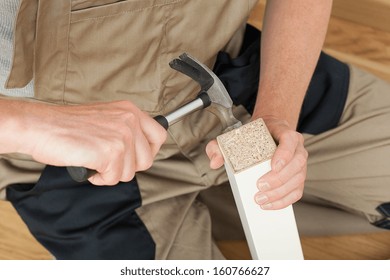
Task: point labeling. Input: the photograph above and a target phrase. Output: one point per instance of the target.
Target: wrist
(12, 126)
(270, 119)
(19, 120)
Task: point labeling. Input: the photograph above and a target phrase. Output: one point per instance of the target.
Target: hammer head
(221, 104)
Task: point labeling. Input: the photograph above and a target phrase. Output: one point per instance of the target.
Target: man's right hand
(116, 139)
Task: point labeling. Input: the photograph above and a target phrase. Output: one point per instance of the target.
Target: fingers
(288, 141)
(214, 154)
(284, 184)
(120, 167)
(140, 141)
(155, 134)
(282, 196)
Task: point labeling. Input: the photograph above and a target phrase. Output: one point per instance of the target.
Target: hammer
(212, 94)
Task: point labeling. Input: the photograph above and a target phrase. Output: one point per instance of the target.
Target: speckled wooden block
(249, 145)
(271, 234)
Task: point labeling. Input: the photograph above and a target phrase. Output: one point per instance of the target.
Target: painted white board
(271, 234)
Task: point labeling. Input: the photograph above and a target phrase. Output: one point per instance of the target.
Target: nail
(266, 206)
(279, 165)
(260, 199)
(263, 185)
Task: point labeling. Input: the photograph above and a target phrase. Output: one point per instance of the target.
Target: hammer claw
(194, 71)
(221, 103)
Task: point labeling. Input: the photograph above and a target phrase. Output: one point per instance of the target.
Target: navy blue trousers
(81, 221)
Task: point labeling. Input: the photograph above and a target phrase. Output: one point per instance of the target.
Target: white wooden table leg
(271, 234)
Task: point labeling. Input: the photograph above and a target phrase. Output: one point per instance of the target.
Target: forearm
(292, 38)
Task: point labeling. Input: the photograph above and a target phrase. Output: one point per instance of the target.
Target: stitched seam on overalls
(67, 57)
(204, 180)
(164, 47)
(127, 12)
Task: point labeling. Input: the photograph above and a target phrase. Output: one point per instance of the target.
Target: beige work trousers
(347, 168)
(347, 165)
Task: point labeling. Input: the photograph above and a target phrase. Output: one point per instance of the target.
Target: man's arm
(115, 138)
(292, 38)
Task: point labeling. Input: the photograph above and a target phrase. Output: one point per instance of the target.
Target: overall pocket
(114, 52)
(85, 4)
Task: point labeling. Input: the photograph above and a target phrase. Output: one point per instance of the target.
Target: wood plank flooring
(354, 41)
(373, 246)
(362, 11)
(359, 33)
(16, 242)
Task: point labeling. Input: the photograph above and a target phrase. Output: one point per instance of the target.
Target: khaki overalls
(81, 51)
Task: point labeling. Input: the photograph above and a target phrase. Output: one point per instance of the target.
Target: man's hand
(116, 139)
(284, 184)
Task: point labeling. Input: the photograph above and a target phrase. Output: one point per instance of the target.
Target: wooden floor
(374, 246)
(16, 243)
(359, 33)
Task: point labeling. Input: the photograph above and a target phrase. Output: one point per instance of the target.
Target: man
(86, 58)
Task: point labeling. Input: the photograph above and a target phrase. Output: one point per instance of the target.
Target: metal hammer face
(220, 101)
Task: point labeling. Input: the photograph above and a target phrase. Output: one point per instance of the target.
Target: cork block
(271, 234)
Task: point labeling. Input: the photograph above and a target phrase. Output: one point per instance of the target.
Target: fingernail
(266, 206)
(260, 199)
(263, 186)
(279, 165)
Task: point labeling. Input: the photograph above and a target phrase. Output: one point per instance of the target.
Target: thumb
(214, 154)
